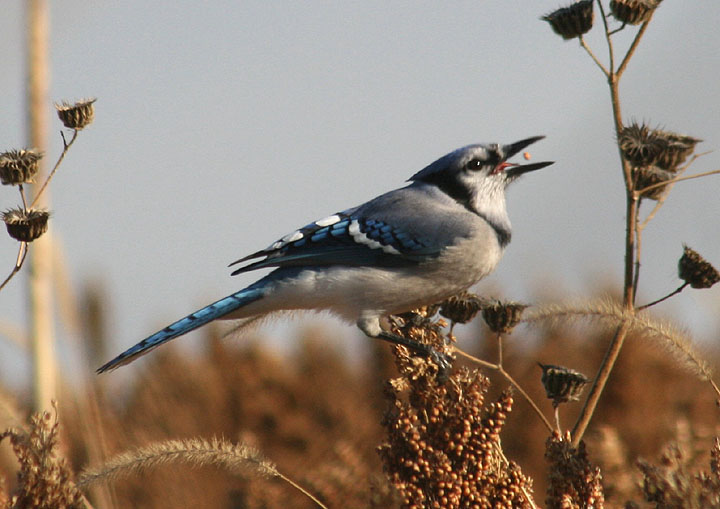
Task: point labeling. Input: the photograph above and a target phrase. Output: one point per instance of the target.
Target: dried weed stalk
(44, 480)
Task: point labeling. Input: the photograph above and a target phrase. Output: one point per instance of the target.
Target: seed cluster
(26, 225)
(76, 115)
(461, 308)
(672, 483)
(18, 166)
(695, 270)
(443, 448)
(43, 480)
(502, 317)
(572, 21)
(573, 481)
(562, 384)
(633, 12)
(655, 155)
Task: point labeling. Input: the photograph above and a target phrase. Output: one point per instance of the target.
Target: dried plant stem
(22, 253)
(510, 379)
(632, 201)
(598, 385)
(557, 419)
(633, 47)
(66, 147)
(236, 458)
(597, 61)
(678, 179)
(500, 349)
(22, 196)
(611, 53)
(661, 200)
(674, 292)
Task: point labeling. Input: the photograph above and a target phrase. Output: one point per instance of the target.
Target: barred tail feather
(191, 322)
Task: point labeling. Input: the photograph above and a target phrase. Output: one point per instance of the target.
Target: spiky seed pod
(572, 21)
(640, 145)
(694, 269)
(461, 308)
(18, 166)
(677, 149)
(77, 115)
(643, 146)
(633, 12)
(26, 226)
(645, 177)
(502, 317)
(562, 384)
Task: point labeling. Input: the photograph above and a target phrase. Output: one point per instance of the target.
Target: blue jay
(410, 247)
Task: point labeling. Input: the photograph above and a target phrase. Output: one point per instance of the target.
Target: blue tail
(185, 325)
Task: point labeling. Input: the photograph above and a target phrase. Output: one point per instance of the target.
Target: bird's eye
(474, 164)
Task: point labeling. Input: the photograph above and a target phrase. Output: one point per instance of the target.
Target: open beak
(513, 171)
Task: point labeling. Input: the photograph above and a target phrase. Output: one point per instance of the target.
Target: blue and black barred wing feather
(343, 239)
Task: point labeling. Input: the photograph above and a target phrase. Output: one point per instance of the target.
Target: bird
(413, 246)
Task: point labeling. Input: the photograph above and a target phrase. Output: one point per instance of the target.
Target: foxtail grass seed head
(648, 176)
(695, 270)
(76, 115)
(18, 166)
(502, 317)
(633, 12)
(26, 225)
(461, 308)
(572, 21)
(562, 384)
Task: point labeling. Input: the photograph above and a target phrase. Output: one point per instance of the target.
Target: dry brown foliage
(317, 416)
(43, 479)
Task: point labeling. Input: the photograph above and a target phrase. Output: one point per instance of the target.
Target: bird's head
(476, 175)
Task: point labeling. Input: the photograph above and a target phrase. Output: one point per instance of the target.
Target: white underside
(365, 294)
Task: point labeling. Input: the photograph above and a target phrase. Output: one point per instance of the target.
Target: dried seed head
(461, 308)
(562, 384)
(640, 145)
(645, 177)
(502, 317)
(643, 146)
(572, 21)
(26, 226)
(78, 115)
(18, 166)
(677, 149)
(694, 269)
(633, 12)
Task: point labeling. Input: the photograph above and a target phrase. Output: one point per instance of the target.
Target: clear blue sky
(221, 126)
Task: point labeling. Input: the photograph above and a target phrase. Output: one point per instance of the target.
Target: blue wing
(345, 238)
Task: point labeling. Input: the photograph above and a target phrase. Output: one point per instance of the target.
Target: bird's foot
(442, 360)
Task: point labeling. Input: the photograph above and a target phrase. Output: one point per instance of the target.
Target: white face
(481, 170)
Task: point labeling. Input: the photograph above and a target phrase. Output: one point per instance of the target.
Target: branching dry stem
(510, 379)
(658, 301)
(678, 179)
(597, 61)
(66, 147)
(632, 202)
(22, 253)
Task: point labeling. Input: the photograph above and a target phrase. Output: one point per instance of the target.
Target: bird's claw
(443, 362)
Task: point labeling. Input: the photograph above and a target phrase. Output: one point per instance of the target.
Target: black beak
(514, 172)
